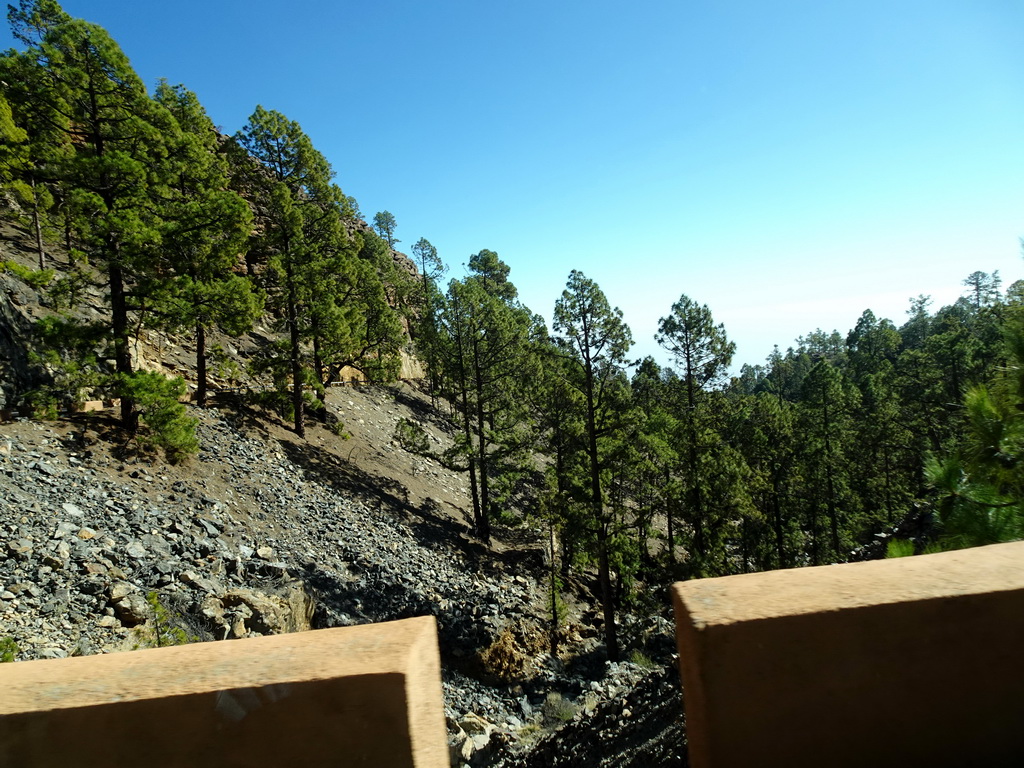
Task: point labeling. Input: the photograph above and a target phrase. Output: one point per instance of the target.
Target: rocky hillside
(105, 549)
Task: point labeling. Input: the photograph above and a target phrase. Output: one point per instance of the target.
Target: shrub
(157, 398)
(503, 659)
(641, 659)
(558, 709)
(42, 404)
(166, 628)
(412, 437)
(36, 279)
(899, 548)
(9, 649)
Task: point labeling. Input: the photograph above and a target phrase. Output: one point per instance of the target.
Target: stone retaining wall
(363, 695)
(904, 662)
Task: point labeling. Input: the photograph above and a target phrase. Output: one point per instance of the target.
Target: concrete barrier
(904, 662)
(366, 695)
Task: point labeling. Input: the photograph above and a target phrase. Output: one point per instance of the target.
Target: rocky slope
(265, 533)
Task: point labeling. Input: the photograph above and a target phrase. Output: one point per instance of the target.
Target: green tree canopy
(385, 224)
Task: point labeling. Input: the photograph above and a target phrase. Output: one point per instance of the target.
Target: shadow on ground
(430, 525)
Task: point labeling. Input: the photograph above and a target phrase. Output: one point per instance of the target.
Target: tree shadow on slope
(653, 734)
(370, 598)
(430, 528)
(15, 238)
(406, 397)
(241, 415)
(420, 407)
(93, 434)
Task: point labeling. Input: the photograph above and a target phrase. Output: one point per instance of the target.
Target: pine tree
(826, 434)
(486, 351)
(385, 224)
(353, 322)
(595, 340)
(205, 232)
(657, 489)
(302, 223)
(557, 413)
(431, 269)
(31, 142)
(983, 288)
(115, 173)
(702, 353)
(765, 433)
(981, 484)
(883, 450)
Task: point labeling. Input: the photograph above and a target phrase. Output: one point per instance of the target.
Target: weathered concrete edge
(750, 596)
(425, 698)
(712, 615)
(407, 647)
(695, 702)
(204, 667)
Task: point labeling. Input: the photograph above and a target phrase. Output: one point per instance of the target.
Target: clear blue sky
(790, 164)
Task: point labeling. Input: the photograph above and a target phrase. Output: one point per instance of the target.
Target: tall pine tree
(595, 341)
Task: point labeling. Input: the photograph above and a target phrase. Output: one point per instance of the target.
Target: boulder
(132, 610)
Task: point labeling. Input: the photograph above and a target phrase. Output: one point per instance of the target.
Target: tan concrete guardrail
(915, 661)
(366, 695)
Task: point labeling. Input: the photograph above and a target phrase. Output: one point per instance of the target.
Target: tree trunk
(467, 428)
(38, 228)
(200, 365)
(554, 590)
(607, 599)
(431, 333)
(468, 432)
(833, 512)
(568, 542)
(119, 325)
(780, 550)
(696, 504)
(318, 365)
(484, 523)
(296, 361)
(670, 518)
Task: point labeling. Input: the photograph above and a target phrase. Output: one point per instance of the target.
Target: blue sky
(789, 164)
